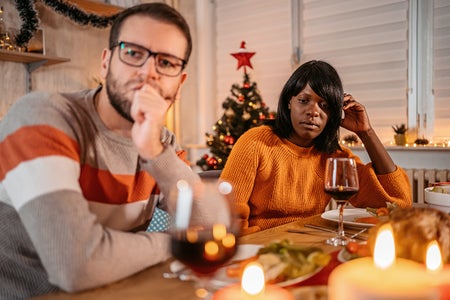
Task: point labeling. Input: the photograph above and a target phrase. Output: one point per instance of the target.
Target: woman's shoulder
(262, 131)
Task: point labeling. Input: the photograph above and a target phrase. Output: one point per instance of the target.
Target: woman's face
(309, 116)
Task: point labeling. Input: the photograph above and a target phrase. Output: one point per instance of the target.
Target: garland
(30, 21)
(28, 15)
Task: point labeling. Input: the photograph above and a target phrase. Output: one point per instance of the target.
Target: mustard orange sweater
(276, 181)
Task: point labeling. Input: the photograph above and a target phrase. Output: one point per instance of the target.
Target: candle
(184, 203)
(252, 287)
(440, 275)
(382, 277)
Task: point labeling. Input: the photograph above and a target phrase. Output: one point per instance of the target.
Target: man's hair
(157, 11)
(325, 82)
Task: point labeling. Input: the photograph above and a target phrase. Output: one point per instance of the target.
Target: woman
(277, 171)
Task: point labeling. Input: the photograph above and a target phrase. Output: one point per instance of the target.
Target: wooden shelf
(32, 61)
(28, 58)
(98, 8)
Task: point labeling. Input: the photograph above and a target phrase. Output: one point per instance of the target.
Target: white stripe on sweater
(34, 178)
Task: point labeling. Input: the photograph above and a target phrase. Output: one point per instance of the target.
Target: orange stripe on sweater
(34, 141)
(102, 186)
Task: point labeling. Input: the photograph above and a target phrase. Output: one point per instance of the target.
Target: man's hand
(149, 111)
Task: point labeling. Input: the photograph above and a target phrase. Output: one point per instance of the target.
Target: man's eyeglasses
(136, 56)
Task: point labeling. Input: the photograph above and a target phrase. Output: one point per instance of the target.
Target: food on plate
(284, 260)
(378, 214)
(438, 189)
(355, 250)
(367, 220)
(414, 228)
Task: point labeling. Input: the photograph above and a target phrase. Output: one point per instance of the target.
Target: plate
(349, 216)
(221, 279)
(345, 256)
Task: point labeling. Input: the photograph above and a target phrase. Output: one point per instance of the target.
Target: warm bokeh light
(192, 235)
(211, 249)
(225, 188)
(434, 257)
(253, 280)
(229, 240)
(384, 252)
(219, 231)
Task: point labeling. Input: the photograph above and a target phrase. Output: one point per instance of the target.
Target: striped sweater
(276, 181)
(71, 192)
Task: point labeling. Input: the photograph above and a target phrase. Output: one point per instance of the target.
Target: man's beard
(118, 100)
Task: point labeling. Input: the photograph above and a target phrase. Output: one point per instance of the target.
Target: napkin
(159, 222)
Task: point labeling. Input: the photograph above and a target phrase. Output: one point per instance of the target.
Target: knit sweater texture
(277, 182)
(71, 193)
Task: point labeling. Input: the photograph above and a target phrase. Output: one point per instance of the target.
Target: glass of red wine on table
(341, 183)
(203, 231)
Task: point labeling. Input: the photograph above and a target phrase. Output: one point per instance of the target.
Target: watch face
(165, 135)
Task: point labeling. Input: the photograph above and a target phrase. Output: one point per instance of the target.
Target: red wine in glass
(201, 252)
(341, 183)
(341, 194)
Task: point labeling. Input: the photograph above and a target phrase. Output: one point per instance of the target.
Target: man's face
(123, 80)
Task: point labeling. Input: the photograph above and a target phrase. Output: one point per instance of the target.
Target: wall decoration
(30, 21)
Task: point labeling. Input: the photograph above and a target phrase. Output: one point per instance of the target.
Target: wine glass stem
(341, 220)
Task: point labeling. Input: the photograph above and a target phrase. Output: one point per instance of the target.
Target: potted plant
(400, 134)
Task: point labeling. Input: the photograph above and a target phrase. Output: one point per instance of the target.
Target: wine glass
(341, 183)
(203, 230)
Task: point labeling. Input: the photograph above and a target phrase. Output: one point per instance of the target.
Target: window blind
(265, 26)
(367, 42)
(441, 70)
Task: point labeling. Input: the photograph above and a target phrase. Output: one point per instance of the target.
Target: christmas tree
(244, 109)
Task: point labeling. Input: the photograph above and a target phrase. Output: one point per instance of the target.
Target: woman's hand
(356, 118)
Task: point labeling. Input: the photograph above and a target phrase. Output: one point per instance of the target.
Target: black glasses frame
(150, 53)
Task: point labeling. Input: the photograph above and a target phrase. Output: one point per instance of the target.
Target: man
(81, 173)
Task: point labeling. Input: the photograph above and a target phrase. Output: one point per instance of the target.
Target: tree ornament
(241, 98)
(229, 112)
(229, 140)
(212, 162)
(243, 57)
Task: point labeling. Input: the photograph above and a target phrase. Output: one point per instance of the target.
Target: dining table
(150, 283)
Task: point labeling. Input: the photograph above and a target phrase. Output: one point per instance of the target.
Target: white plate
(221, 279)
(349, 216)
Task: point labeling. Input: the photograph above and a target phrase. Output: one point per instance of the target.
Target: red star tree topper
(243, 57)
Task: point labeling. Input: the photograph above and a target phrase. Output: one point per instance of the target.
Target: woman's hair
(325, 82)
(157, 11)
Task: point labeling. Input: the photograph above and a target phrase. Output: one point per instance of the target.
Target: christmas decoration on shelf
(29, 17)
(244, 109)
(350, 140)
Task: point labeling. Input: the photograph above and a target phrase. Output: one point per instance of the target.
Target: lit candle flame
(384, 252)
(253, 281)
(434, 258)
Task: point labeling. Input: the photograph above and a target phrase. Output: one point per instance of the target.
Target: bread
(414, 228)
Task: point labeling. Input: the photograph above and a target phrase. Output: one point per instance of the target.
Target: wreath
(30, 21)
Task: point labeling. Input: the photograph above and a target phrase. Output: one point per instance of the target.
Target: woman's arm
(356, 120)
